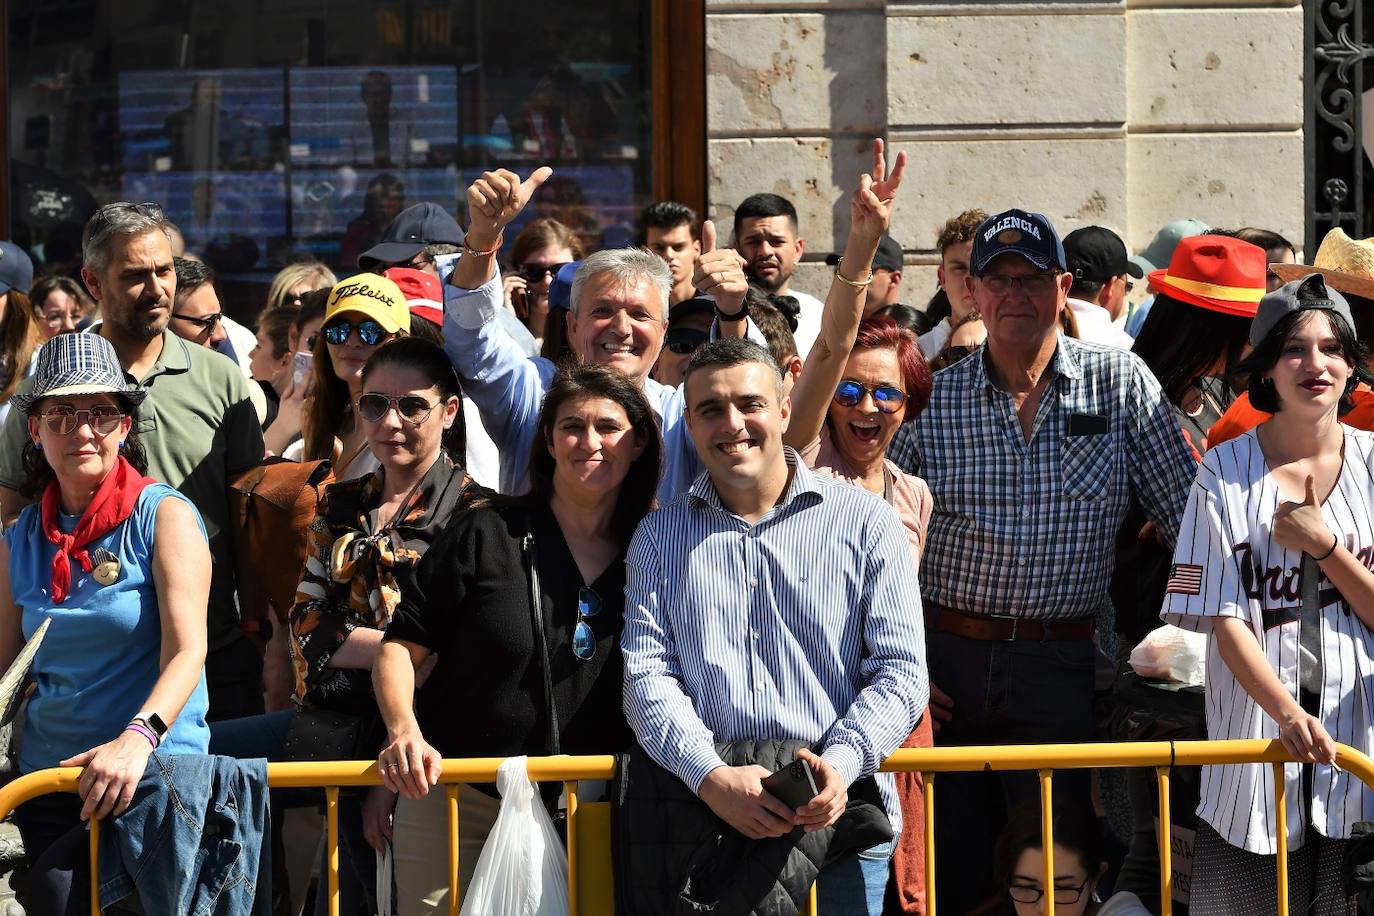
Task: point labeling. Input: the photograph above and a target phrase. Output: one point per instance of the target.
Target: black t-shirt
(469, 602)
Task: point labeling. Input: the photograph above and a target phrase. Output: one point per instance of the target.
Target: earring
(38, 445)
(121, 445)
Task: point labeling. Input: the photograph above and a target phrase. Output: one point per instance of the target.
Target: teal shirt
(103, 652)
(200, 430)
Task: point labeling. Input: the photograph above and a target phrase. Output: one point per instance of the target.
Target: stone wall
(1126, 115)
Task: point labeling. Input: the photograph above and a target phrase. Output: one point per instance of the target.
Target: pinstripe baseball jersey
(1227, 565)
(806, 625)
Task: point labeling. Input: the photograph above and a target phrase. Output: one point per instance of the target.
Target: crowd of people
(657, 501)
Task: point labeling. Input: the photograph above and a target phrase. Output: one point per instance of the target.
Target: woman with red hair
(863, 379)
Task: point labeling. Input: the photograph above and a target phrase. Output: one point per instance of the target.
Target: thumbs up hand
(1300, 526)
(719, 272)
(497, 198)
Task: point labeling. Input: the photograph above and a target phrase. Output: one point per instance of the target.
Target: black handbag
(324, 734)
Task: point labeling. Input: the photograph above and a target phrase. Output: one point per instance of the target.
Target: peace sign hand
(870, 207)
(497, 198)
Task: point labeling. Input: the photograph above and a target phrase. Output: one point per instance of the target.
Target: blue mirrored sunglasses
(369, 332)
(887, 398)
(583, 639)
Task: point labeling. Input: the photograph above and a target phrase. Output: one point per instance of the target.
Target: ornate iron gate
(1339, 37)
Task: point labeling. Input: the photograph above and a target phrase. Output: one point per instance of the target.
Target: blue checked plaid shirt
(1027, 529)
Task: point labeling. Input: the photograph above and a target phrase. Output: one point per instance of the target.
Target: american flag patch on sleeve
(1184, 579)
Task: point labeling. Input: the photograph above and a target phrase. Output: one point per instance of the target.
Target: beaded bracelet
(856, 284)
(145, 732)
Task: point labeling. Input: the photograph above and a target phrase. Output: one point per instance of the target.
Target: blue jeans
(855, 885)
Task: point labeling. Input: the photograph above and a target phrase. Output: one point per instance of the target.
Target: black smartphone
(793, 785)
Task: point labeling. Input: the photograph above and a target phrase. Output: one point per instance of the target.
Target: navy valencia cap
(1017, 232)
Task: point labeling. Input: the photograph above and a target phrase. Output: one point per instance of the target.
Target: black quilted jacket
(673, 855)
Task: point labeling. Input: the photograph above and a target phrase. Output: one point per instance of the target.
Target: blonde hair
(312, 273)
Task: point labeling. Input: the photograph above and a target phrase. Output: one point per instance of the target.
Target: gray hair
(732, 351)
(629, 266)
(120, 219)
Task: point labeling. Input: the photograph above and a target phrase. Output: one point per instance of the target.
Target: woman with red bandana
(120, 564)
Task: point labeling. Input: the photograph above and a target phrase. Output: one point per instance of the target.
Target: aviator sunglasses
(412, 408)
(369, 332)
(583, 639)
(887, 398)
(63, 420)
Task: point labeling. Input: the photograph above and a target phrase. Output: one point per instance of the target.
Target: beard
(135, 325)
(768, 286)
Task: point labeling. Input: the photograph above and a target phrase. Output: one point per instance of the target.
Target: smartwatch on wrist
(153, 722)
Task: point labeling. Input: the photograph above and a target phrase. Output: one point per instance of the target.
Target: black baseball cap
(1019, 232)
(887, 257)
(697, 305)
(16, 270)
(1097, 254)
(412, 229)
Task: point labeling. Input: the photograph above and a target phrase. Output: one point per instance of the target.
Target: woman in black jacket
(522, 602)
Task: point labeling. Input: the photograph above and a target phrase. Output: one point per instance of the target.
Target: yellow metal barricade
(589, 839)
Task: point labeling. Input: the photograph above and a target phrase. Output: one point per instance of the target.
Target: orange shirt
(1240, 417)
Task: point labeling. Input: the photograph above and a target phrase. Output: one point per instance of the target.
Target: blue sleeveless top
(102, 654)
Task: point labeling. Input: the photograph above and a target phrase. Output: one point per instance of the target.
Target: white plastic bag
(523, 870)
(1172, 654)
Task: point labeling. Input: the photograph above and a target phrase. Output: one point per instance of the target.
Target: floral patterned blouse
(351, 574)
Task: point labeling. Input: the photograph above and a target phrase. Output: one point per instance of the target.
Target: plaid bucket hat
(78, 364)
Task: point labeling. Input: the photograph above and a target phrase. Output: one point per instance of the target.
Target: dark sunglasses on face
(535, 273)
(369, 332)
(583, 639)
(412, 408)
(206, 323)
(685, 340)
(885, 397)
(63, 420)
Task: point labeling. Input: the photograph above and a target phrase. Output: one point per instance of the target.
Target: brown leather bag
(273, 505)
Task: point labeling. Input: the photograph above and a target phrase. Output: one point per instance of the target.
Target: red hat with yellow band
(1215, 272)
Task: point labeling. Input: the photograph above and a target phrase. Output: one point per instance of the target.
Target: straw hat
(1346, 263)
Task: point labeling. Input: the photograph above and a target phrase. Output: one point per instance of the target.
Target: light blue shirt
(508, 388)
(805, 626)
(103, 652)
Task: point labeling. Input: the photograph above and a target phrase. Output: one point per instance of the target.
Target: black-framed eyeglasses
(683, 341)
(414, 409)
(535, 273)
(63, 420)
(1041, 284)
(1130, 285)
(583, 639)
(886, 398)
(205, 322)
(369, 332)
(1031, 893)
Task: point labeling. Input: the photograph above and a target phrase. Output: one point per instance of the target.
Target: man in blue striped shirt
(769, 603)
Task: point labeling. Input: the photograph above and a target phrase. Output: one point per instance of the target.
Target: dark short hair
(909, 317)
(762, 206)
(1264, 238)
(637, 493)
(313, 306)
(1264, 357)
(727, 352)
(191, 275)
(774, 327)
(1085, 289)
(666, 214)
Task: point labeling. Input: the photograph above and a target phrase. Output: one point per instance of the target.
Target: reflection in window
(300, 130)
